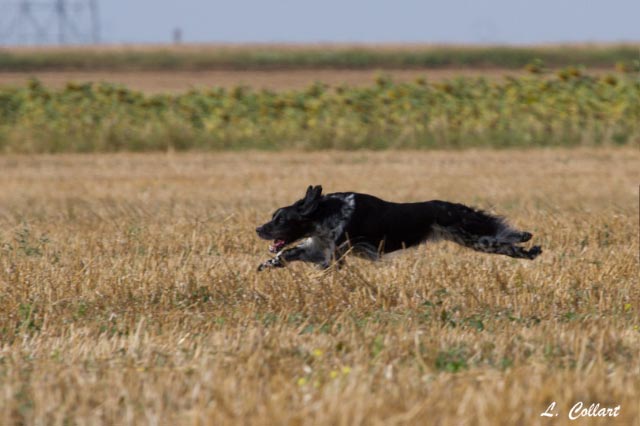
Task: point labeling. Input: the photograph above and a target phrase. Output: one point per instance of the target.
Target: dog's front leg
(275, 262)
(311, 250)
(282, 258)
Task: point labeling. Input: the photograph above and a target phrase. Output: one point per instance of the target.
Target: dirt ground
(179, 81)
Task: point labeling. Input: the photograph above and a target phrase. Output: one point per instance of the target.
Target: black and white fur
(333, 224)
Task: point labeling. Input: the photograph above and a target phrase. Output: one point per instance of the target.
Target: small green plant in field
(27, 318)
(28, 245)
(452, 360)
(567, 110)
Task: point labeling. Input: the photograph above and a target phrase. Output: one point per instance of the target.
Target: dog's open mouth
(277, 245)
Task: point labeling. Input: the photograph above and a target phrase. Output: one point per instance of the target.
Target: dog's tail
(479, 231)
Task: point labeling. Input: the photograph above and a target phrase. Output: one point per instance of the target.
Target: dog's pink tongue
(276, 246)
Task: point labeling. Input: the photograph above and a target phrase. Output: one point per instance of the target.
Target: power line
(29, 22)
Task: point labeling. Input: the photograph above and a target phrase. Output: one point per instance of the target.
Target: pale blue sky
(454, 21)
(443, 21)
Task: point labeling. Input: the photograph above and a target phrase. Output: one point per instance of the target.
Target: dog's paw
(534, 252)
(271, 263)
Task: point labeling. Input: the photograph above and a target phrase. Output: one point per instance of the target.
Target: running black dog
(333, 224)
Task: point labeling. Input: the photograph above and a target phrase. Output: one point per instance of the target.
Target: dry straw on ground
(128, 294)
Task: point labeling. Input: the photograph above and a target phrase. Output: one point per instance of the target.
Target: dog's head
(291, 223)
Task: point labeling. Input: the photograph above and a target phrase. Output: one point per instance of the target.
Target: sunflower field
(569, 108)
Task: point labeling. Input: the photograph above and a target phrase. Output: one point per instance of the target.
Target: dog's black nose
(258, 229)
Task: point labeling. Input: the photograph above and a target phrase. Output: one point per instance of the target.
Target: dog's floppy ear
(308, 194)
(311, 200)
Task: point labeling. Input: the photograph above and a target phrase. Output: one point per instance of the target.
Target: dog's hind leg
(504, 241)
(496, 246)
(508, 235)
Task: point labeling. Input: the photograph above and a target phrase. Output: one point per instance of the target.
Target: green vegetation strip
(569, 109)
(304, 57)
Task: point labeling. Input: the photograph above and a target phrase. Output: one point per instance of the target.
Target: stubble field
(128, 293)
